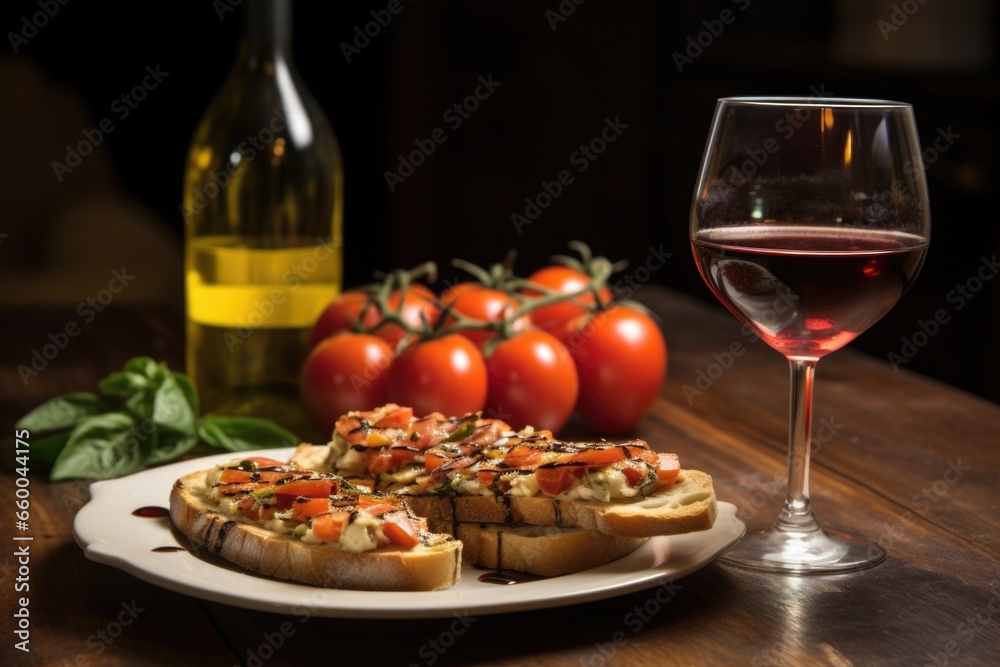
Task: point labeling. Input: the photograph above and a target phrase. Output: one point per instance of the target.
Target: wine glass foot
(815, 552)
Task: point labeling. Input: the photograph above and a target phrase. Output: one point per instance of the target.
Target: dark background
(558, 83)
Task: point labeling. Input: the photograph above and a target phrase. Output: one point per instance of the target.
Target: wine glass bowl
(810, 220)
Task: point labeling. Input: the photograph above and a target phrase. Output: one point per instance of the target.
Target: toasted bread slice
(254, 547)
(686, 505)
(546, 551)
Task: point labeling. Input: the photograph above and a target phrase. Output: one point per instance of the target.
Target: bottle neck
(267, 32)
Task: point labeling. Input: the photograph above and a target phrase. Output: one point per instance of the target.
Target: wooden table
(900, 458)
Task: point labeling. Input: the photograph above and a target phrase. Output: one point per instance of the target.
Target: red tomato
(563, 280)
(355, 306)
(343, 315)
(621, 358)
(343, 373)
(311, 488)
(557, 479)
(532, 380)
(483, 304)
(668, 468)
(304, 509)
(401, 531)
(327, 527)
(444, 374)
(419, 305)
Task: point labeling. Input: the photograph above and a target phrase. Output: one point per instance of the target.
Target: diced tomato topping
(304, 509)
(387, 459)
(401, 530)
(233, 489)
(328, 527)
(667, 469)
(487, 432)
(395, 417)
(555, 480)
(311, 488)
(378, 509)
(634, 473)
(487, 477)
(433, 461)
(429, 431)
(264, 462)
(234, 476)
(522, 457)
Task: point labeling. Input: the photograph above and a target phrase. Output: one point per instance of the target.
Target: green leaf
(237, 434)
(184, 382)
(123, 384)
(171, 445)
(103, 446)
(48, 448)
(62, 412)
(171, 408)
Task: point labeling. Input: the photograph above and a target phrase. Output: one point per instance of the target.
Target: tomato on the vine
(345, 372)
(420, 305)
(484, 304)
(354, 306)
(343, 314)
(446, 374)
(532, 380)
(562, 280)
(621, 357)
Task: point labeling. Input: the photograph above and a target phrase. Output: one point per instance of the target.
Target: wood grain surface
(900, 458)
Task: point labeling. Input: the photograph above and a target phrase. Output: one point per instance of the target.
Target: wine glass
(810, 220)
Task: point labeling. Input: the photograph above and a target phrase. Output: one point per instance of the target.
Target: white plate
(109, 533)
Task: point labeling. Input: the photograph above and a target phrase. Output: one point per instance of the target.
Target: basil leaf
(237, 434)
(184, 382)
(123, 384)
(171, 409)
(48, 449)
(62, 412)
(103, 446)
(171, 445)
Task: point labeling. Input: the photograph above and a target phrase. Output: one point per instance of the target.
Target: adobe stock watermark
(696, 44)
(977, 621)
(958, 297)
(627, 285)
(581, 158)
(782, 308)
(785, 127)
(245, 152)
(562, 12)
(825, 431)
(922, 502)
(381, 18)
(31, 24)
(434, 649)
(635, 620)
(59, 340)
(898, 17)
(454, 116)
(121, 107)
(99, 642)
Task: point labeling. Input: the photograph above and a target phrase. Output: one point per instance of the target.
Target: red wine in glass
(805, 290)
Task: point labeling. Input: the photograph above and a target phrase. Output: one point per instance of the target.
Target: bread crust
(686, 505)
(266, 552)
(546, 551)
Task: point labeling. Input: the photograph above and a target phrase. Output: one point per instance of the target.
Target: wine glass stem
(797, 515)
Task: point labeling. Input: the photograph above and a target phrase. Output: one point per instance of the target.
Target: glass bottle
(262, 206)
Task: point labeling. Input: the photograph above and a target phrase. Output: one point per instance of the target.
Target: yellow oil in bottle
(249, 314)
